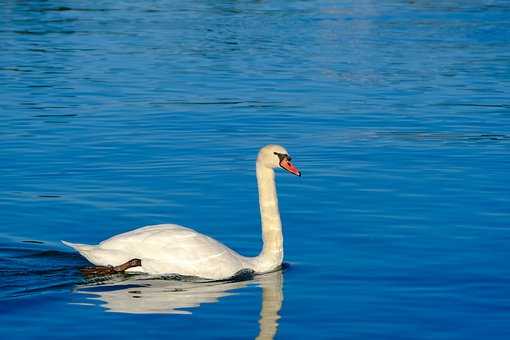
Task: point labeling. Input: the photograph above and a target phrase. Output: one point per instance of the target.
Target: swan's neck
(271, 256)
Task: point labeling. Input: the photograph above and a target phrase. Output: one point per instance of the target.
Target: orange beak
(287, 165)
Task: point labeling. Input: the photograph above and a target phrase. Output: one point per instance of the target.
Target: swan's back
(166, 234)
(158, 241)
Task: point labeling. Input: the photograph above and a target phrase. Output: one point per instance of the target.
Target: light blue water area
(119, 114)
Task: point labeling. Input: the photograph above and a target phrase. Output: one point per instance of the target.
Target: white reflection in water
(146, 295)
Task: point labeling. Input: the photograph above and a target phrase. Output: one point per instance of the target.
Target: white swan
(173, 249)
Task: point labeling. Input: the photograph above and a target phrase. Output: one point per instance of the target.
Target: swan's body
(173, 249)
(165, 249)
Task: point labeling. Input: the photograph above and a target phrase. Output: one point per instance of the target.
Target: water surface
(116, 115)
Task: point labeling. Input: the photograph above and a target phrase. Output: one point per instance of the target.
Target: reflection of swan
(149, 295)
(168, 248)
(272, 298)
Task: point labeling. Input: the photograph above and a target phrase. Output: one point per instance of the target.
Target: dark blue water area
(119, 114)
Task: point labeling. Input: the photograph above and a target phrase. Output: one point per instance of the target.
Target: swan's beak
(287, 165)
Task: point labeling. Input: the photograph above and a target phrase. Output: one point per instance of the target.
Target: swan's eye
(289, 158)
(281, 156)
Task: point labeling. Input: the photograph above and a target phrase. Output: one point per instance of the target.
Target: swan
(174, 249)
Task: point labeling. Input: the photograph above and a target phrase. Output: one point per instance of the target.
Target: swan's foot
(109, 270)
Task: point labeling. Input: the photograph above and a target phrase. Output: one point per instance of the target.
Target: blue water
(119, 114)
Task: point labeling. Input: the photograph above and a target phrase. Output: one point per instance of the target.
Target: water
(122, 114)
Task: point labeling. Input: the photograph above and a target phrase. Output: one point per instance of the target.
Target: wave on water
(32, 267)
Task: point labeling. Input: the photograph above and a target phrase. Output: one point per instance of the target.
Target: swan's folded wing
(172, 248)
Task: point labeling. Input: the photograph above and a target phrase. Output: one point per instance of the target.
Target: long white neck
(271, 256)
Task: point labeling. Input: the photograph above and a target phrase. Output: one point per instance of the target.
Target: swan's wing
(164, 238)
(171, 248)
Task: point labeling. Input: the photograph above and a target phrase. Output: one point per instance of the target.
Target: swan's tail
(98, 256)
(79, 247)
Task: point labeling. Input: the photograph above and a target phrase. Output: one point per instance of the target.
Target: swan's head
(276, 156)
